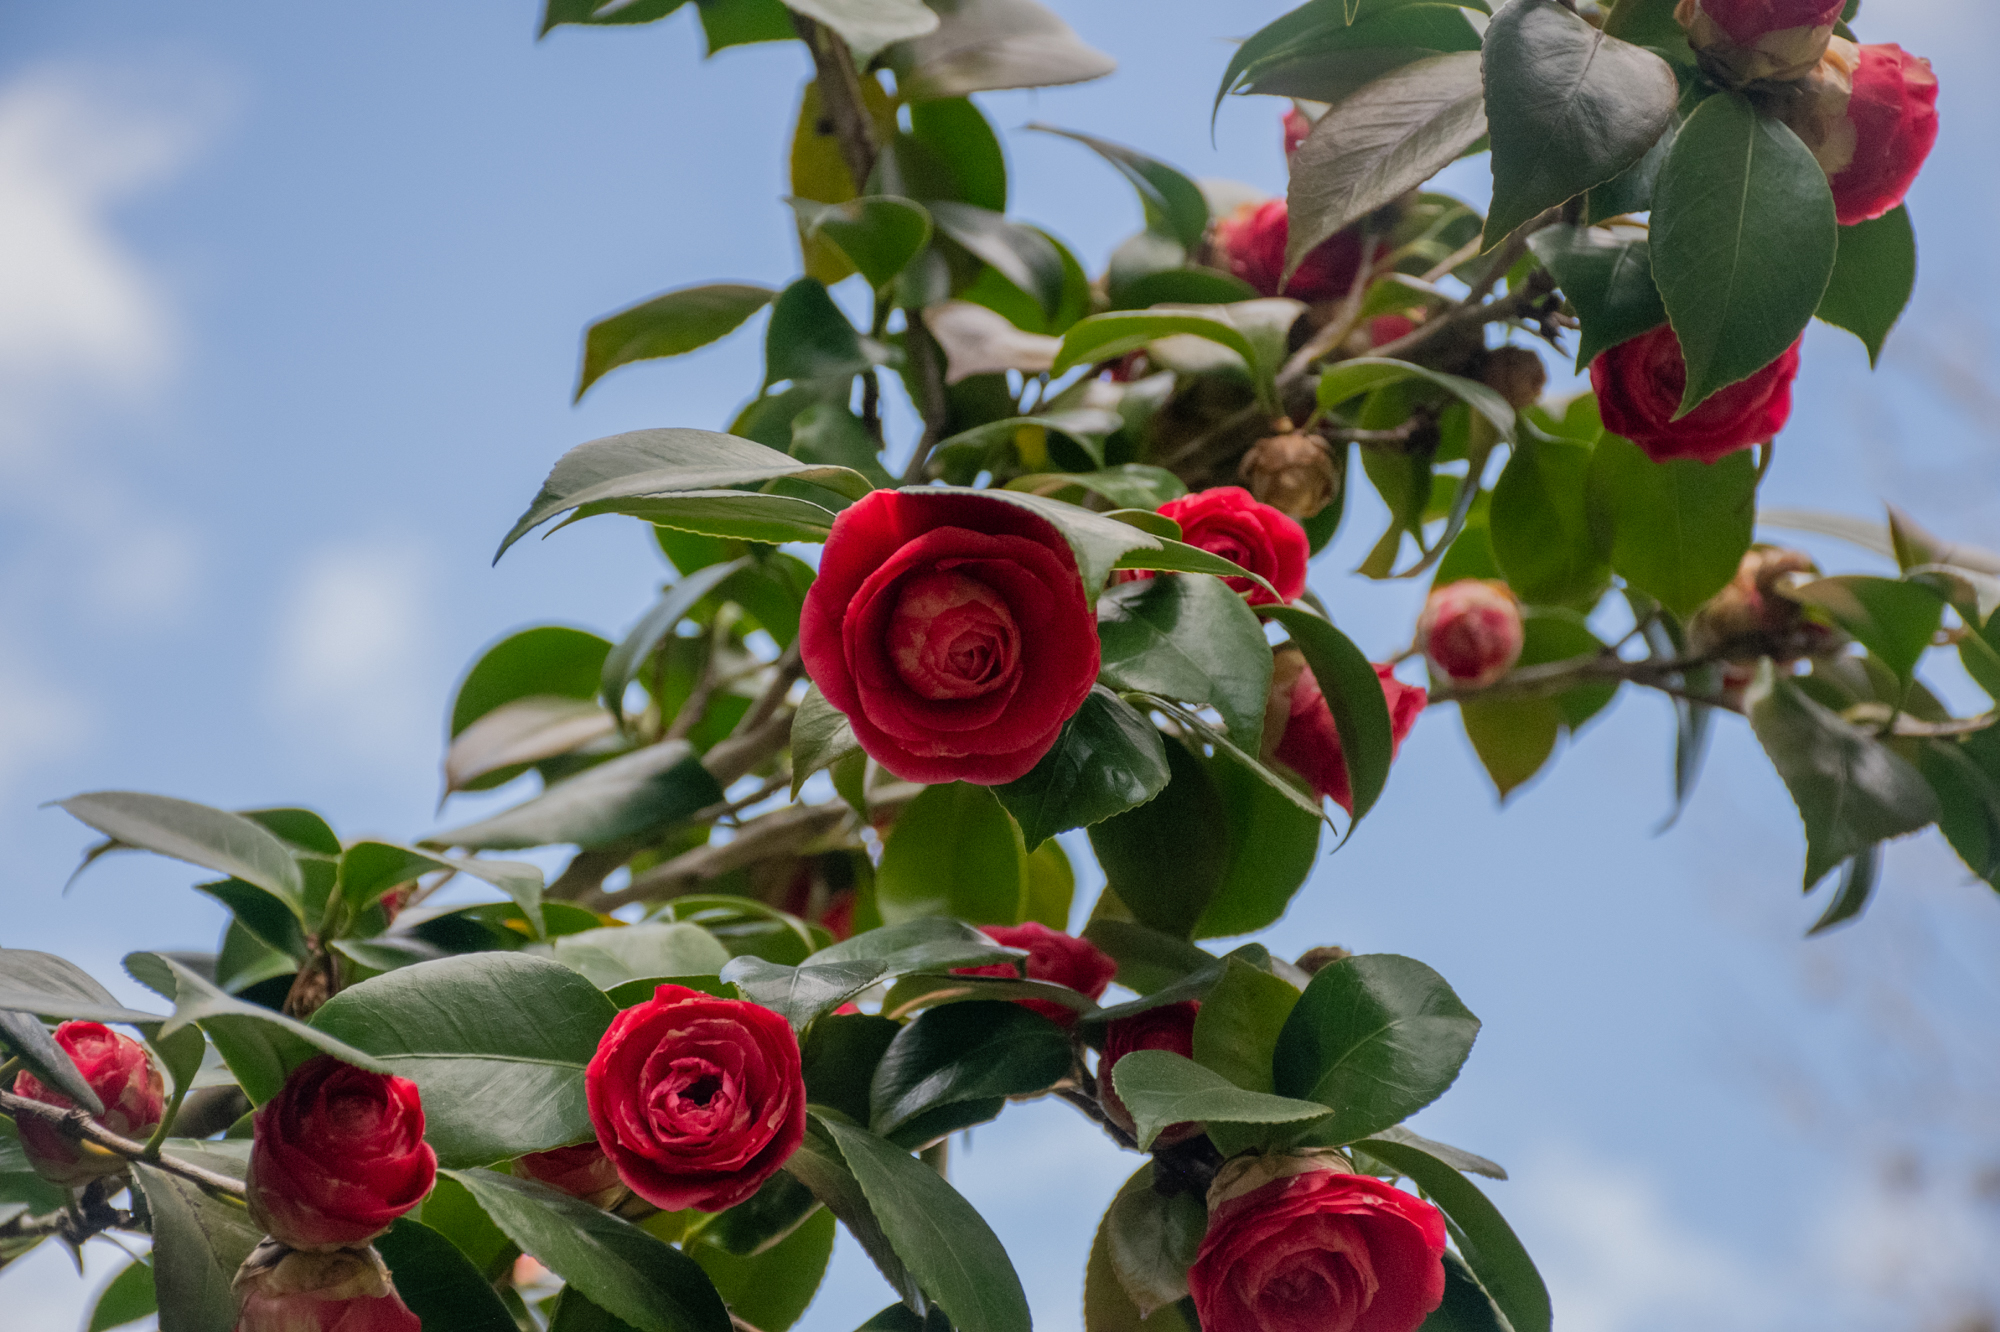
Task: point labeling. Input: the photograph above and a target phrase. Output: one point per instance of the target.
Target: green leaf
(439, 1283)
(1377, 1037)
(1743, 239)
(998, 445)
(496, 1042)
(671, 324)
(1851, 790)
(611, 956)
(834, 975)
(1677, 531)
(1893, 619)
(1153, 1238)
(987, 45)
(1457, 1158)
(1650, 23)
(1379, 144)
(946, 1245)
(260, 1045)
(1632, 190)
(1552, 635)
(1365, 374)
(809, 340)
(370, 869)
(1128, 485)
(730, 514)
(547, 661)
(1107, 759)
(126, 1298)
(1874, 272)
(1608, 277)
(1333, 61)
(1177, 286)
(1174, 205)
(1512, 737)
(1107, 1306)
(558, 12)
(1189, 638)
(1236, 1032)
(1166, 858)
(1354, 695)
(198, 1243)
(182, 830)
(955, 852)
(663, 462)
(622, 664)
(1859, 875)
(727, 23)
(821, 738)
(52, 987)
(1540, 523)
(1466, 1307)
(869, 25)
(1488, 1243)
(614, 1263)
(818, 1165)
(1272, 848)
(878, 234)
(304, 829)
(965, 1052)
(963, 142)
(1570, 106)
(771, 1290)
(648, 789)
(1162, 1089)
(1965, 774)
(24, 1037)
(1021, 254)
(1242, 328)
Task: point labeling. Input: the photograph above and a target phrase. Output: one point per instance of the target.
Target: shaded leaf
(954, 851)
(1677, 531)
(1162, 1089)
(198, 834)
(965, 1052)
(1108, 758)
(622, 664)
(987, 45)
(648, 789)
(671, 324)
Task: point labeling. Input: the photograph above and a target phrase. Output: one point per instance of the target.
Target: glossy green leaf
(946, 1245)
(1236, 1031)
(1874, 273)
(667, 325)
(1466, 1307)
(1513, 738)
(1851, 790)
(819, 1165)
(809, 340)
(623, 663)
(1570, 106)
(1631, 191)
(1376, 1037)
(370, 869)
(1152, 1239)
(727, 23)
(599, 12)
(1189, 638)
(1174, 205)
(439, 1283)
(878, 234)
(660, 462)
(1108, 758)
(198, 1243)
(1650, 23)
(1489, 1245)
(1107, 1307)
(1382, 142)
(1107, 336)
(1457, 1158)
(965, 1052)
(615, 1264)
(1965, 774)
(1365, 374)
(1859, 876)
(182, 830)
(23, 1037)
(1540, 523)
(496, 1042)
(733, 515)
(1893, 619)
(1272, 848)
(1162, 1089)
(1022, 255)
(1354, 695)
(1677, 531)
(1743, 241)
(618, 953)
(963, 140)
(986, 45)
(821, 738)
(53, 987)
(1608, 277)
(954, 851)
(834, 975)
(648, 789)
(1331, 62)
(126, 1298)
(548, 661)
(1128, 485)
(1166, 858)
(771, 1290)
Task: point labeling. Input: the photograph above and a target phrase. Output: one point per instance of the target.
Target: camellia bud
(1869, 114)
(1516, 374)
(1296, 129)
(1250, 243)
(1752, 618)
(1292, 472)
(125, 1079)
(582, 1171)
(1743, 41)
(334, 1290)
(1470, 631)
(1169, 1027)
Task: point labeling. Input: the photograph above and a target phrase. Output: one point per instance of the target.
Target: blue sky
(290, 301)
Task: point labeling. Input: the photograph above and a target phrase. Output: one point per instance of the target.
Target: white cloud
(353, 640)
(39, 719)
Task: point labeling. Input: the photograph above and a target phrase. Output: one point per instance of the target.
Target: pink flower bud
(124, 1077)
(1470, 631)
(336, 1290)
(1743, 41)
(1299, 731)
(1869, 114)
(582, 1171)
(337, 1155)
(1250, 243)
(1296, 129)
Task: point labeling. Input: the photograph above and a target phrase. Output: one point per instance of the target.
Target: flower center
(952, 637)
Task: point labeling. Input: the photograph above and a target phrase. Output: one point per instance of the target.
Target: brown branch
(840, 97)
(74, 1123)
(1557, 676)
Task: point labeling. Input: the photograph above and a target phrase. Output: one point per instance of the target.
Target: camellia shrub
(815, 918)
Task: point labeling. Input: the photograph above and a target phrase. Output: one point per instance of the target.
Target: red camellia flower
(1169, 1027)
(337, 1156)
(582, 1171)
(1060, 959)
(1250, 243)
(122, 1074)
(1296, 129)
(1470, 631)
(697, 1100)
(1319, 1251)
(1746, 40)
(953, 631)
(1893, 112)
(338, 1290)
(1299, 730)
(1229, 521)
(1639, 385)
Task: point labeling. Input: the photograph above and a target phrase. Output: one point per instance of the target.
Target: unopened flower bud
(1292, 472)
(1516, 374)
(1296, 129)
(1471, 631)
(125, 1079)
(1315, 960)
(1170, 1028)
(334, 1290)
(582, 1171)
(1743, 41)
(1869, 114)
(1250, 243)
(1752, 618)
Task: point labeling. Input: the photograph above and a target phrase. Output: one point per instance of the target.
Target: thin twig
(1095, 1113)
(927, 359)
(1602, 668)
(75, 1123)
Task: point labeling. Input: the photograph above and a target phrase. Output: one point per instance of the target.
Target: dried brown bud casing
(1516, 374)
(1752, 617)
(1292, 472)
